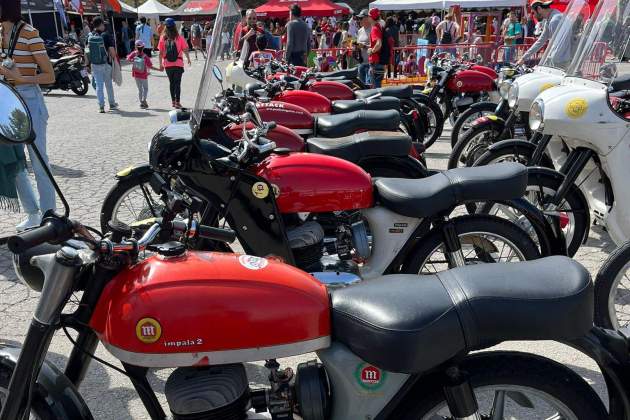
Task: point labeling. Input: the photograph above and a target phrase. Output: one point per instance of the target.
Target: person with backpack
(101, 54)
(26, 65)
(144, 32)
(379, 51)
(140, 65)
(447, 33)
(195, 39)
(172, 47)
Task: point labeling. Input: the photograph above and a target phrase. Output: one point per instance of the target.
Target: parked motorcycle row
(392, 273)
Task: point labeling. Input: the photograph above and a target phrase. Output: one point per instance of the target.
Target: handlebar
(54, 229)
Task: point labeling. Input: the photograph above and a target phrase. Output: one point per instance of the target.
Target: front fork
(460, 396)
(453, 247)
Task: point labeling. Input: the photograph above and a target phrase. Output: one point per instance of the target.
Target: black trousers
(175, 81)
(148, 51)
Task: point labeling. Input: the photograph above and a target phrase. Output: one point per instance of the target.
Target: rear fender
(490, 120)
(539, 170)
(133, 171)
(55, 388)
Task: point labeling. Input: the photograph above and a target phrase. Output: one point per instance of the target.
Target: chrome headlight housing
(504, 89)
(537, 115)
(513, 95)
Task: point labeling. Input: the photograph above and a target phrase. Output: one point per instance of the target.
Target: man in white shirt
(363, 43)
(309, 21)
(144, 33)
(353, 27)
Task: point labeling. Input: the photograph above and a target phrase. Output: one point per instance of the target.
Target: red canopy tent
(197, 8)
(280, 8)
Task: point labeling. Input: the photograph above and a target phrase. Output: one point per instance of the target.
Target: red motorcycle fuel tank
(205, 308)
(332, 90)
(281, 135)
(486, 70)
(289, 115)
(470, 81)
(305, 182)
(311, 101)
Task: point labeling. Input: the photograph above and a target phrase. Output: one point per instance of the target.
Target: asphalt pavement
(86, 149)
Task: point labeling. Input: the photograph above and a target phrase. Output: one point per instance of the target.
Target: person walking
(378, 51)
(196, 34)
(101, 54)
(31, 67)
(141, 63)
(513, 32)
(247, 41)
(447, 33)
(144, 33)
(124, 35)
(172, 47)
(298, 32)
(225, 43)
(363, 43)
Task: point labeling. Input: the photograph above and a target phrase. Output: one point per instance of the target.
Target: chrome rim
(466, 125)
(477, 248)
(619, 299)
(513, 402)
(476, 147)
(137, 203)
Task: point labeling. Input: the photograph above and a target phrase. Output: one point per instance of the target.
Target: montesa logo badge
(370, 377)
(148, 330)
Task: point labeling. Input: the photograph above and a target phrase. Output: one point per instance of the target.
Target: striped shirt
(28, 45)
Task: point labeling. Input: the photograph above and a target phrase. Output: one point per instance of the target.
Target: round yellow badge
(260, 190)
(148, 330)
(546, 86)
(576, 108)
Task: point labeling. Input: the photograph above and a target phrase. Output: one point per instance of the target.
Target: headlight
(537, 115)
(504, 89)
(513, 95)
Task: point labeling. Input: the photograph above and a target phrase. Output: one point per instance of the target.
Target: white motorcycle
(589, 115)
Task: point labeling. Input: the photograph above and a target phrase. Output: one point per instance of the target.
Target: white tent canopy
(153, 8)
(443, 4)
(346, 5)
(126, 8)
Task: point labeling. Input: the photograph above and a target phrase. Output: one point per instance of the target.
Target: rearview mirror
(16, 125)
(217, 73)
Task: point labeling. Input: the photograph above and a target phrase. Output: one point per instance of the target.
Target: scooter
(70, 74)
(234, 309)
(495, 134)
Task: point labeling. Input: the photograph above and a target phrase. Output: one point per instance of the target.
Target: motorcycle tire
(469, 224)
(469, 148)
(85, 87)
(40, 408)
(512, 154)
(433, 119)
(521, 374)
(476, 110)
(122, 187)
(574, 199)
(606, 284)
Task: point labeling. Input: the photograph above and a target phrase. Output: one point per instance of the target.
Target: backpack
(196, 30)
(96, 47)
(172, 53)
(384, 53)
(139, 64)
(447, 36)
(431, 35)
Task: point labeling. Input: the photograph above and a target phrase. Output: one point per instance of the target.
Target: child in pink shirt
(141, 63)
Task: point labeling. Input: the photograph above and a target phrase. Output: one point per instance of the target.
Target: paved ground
(86, 149)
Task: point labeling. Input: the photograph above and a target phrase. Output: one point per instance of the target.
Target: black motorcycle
(70, 74)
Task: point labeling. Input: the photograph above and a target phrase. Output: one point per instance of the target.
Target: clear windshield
(605, 46)
(228, 17)
(563, 44)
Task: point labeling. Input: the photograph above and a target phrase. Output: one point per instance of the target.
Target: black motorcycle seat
(621, 83)
(347, 74)
(400, 92)
(341, 125)
(252, 87)
(429, 196)
(358, 146)
(379, 104)
(410, 324)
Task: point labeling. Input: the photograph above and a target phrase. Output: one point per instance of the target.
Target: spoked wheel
(131, 200)
(433, 119)
(571, 212)
(612, 291)
(472, 145)
(463, 122)
(516, 386)
(483, 239)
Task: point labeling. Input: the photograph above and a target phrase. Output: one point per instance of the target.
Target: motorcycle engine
(208, 393)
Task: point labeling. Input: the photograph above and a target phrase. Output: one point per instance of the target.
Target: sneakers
(101, 109)
(178, 105)
(144, 105)
(32, 220)
(113, 107)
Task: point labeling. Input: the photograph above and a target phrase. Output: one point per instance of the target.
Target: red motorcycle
(205, 314)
